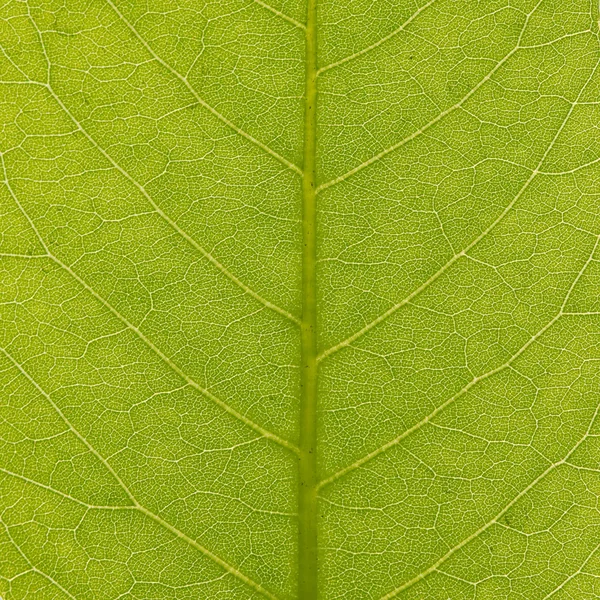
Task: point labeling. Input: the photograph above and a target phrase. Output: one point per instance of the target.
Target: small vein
(464, 251)
(62, 494)
(166, 525)
(33, 568)
(68, 423)
(26, 256)
(493, 521)
(379, 42)
(426, 284)
(241, 417)
(200, 101)
(476, 380)
(438, 118)
(226, 566)
(255, 426)
(282, 15)
(143, 191)
(168, 219)
(573, 575)
(369, 457)
(573, 170)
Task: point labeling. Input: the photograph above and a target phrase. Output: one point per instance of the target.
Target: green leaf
(299, 299)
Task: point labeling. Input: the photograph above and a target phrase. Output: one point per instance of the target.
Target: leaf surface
(299, 299)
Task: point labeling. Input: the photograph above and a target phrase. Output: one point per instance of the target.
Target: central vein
(307, 501)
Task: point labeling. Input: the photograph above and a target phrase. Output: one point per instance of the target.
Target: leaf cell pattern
(299, 299)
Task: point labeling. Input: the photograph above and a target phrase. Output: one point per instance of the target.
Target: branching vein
(156, 518)
(388, 37)
(189, 239)
(200, 101)
(437, 119)
(475, 381)
(435, 566)
(239, 416)
(282, 15)
(464, 251)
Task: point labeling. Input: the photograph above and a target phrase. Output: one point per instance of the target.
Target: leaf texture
(299, 299)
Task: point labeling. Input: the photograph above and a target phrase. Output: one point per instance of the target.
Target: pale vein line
(255, 426)
(573, 170)
(30, 256)
(33, 568)
(551, 42)
(241, 417)
(282, 15)
(62, 494)
(368, 457)
(146, 195)
(573, 575)
(464, 251)
(168, 219)
(378, 43)
(439, 117)
(428, 282)
(16, 82)
(166, 525)
(493, 521)
(200, 101)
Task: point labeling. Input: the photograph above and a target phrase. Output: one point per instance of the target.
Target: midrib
(307, 500)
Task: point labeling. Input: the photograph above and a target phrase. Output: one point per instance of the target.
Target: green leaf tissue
(299, 300)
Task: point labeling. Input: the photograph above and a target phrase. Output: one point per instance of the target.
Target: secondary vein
(199, 99)
(138, 332)
(135, 503)
(188, 238)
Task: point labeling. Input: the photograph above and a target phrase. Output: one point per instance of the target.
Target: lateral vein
(165, 524)
(63, 494)
(573, 575)
(200, 100)
(282, 15)
(259, 429)
(464, 251)
(188, 238)
(438, 118)
(434, 567)
(476, 380)
(33, 568)
(379, 42)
